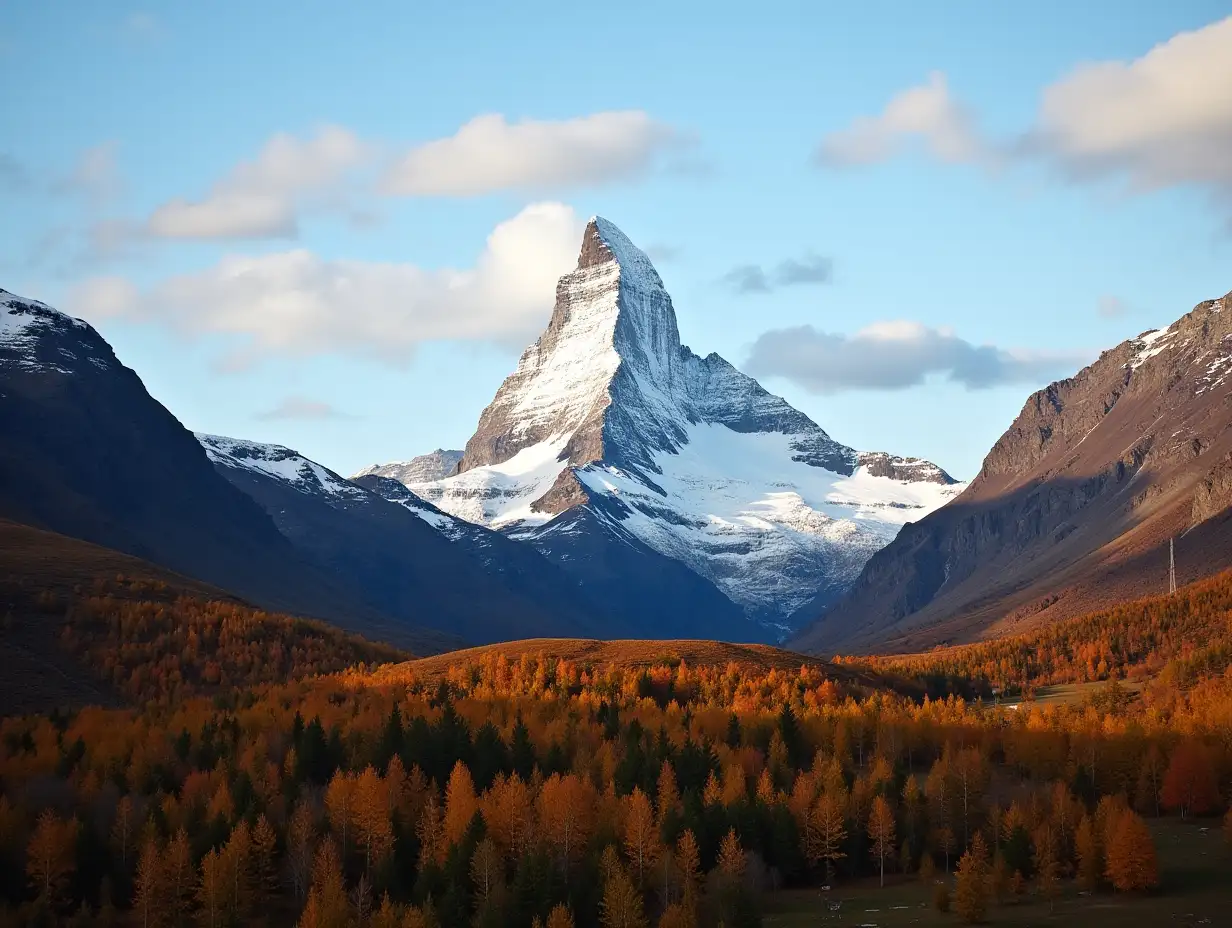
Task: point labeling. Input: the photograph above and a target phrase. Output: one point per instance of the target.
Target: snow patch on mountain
(277, 461)
(28, 331)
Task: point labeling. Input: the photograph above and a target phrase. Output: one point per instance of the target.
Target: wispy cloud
(895, 356)
(809, 270)
(260, 198)
(300, 407)
(926, 113)
(95, 176)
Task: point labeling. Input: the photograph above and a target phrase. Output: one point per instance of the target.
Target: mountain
(1074, 506)
(694, 499)
(425, 467)
(404, 557)
(88, 453)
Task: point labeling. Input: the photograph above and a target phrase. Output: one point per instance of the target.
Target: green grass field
(1196, 889)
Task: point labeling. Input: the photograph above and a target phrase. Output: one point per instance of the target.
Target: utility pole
(1171, 566)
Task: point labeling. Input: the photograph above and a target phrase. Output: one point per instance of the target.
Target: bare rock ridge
(1074, 504)
(431, 466)
(608, 411)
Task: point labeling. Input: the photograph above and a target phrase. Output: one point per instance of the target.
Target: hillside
(1073, 507)
(1170, 641)
(84, 625)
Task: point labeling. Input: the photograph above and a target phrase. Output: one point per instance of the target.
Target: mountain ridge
(1074, 505)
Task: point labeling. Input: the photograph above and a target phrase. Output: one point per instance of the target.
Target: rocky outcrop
(431, 466)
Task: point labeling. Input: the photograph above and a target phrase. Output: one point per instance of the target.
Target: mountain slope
(612, 431)
(405, 558)
(88, 453)
(1074, 505)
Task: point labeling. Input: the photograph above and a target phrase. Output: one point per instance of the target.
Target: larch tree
(641, 835)
(301, 846)
(689, 866)
(150, 889)
(1088, 853)
(1190, 785)
(881, 833)
(1047, 866)
(621, 906)
(180, 878)
(264, 866)
(431, 832)
(212, 890)
(825, 832)
(667, 798)
(560, 917)
(971, 883)
(49, 856)
(461, 803)
(1132, 863)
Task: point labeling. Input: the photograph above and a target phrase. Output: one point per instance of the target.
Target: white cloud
(1160, 120)
(489, 154)
(299, 304)
(895, 355)
(261, 198)
(926, 114)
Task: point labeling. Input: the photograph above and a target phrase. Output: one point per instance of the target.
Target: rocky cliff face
(424, 467)
(1074, 503)
(695, 460)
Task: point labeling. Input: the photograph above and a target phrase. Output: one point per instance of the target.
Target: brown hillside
(1073, 507)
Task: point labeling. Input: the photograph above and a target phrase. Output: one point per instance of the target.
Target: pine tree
(971, 884)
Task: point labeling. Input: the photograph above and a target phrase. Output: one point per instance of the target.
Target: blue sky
(336, 228)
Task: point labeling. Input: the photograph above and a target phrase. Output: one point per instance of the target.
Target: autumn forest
(257, 769)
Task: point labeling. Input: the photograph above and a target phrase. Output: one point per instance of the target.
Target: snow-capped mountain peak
(610, 412)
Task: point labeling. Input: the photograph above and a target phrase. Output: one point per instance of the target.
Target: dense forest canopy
(267, 770)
